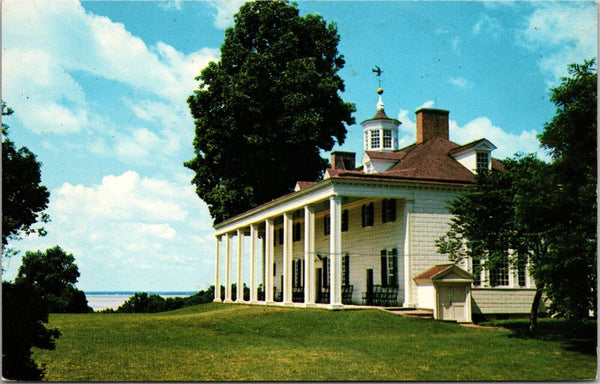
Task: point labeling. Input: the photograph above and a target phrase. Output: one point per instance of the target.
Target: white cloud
(131, 225)
(488, 25)
(507, 143)
(482, 127)
(44, 56)
(561, 34)
(427, 104)
(225, 11)
(460, 82)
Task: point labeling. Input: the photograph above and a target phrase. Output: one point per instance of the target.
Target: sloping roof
(300, 185)
(470, 145)
(433, 271)
(430, 160)
(380, 115)
(437, 272)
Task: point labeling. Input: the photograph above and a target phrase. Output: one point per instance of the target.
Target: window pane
(482, 160)
(387, 138)
(375, 139)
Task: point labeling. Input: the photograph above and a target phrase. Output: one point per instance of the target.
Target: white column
(228, 268)
(240, 266)
(335, 250)
(217, 270)
(408, 282)
(269, 261)
(287, 258)
(253, 258)
(309, 256)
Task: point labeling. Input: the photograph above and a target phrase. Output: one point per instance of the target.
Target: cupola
(380, 132)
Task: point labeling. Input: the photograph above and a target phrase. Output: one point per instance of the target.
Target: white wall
(426, 296)
(429, 221)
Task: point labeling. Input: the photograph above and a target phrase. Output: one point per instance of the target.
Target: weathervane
(378, 73)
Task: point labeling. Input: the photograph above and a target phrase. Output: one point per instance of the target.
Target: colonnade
(310, 291)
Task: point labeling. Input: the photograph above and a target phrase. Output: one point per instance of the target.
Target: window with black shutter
(346, 269)
(296, 232)
(368, 215)
(388, 210)
(280, 235)
(326, 277)
(384, 268)
(389, 267)
(345, 220)
(393, 267)
(326, 225)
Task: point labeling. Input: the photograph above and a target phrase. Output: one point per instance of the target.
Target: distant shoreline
(100, 300)
(161, 293)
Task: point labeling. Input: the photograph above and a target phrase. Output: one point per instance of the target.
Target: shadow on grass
(578, 336)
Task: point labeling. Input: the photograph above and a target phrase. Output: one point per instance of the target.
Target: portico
(260, 224)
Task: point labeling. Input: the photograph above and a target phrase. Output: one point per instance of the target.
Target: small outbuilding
(446, 289)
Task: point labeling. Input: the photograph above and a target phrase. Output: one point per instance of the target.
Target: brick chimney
(343, 160)
(431, 123)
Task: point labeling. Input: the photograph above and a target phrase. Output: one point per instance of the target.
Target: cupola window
(387, 138)
(375, 139)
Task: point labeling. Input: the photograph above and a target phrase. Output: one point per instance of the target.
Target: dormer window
(375, 139)
(483, 160)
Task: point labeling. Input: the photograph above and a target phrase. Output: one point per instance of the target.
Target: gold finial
(379, 91)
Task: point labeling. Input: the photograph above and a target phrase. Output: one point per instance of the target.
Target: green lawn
(220, 342)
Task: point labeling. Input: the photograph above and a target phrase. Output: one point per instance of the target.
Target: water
(103, 300)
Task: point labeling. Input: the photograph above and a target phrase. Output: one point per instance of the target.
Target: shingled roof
(429, 161)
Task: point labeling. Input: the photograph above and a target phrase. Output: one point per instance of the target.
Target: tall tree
(53, 274)
(265, 111)
(505, 221)
(571, 137)
(544, 212)
(24, 199)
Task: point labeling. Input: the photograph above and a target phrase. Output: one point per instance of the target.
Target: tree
(53, 274)
(504, 221)
(543, 214)
(23, 197)
(265, 111)
(571, 137)
(24, 313)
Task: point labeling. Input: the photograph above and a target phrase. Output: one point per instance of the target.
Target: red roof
(433, 271)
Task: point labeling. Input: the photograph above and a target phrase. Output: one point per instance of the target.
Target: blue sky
(99, 91)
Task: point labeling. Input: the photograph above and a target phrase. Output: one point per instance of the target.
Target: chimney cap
(433, 110)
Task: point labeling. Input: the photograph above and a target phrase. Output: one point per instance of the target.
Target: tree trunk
(534, 309)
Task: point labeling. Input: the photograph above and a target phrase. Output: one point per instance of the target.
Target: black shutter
(280, 235)
(394, 278)
(325, 271)
(383, 268)
(392, 210)
(384, 213)
(345, 220)
(371, 214)
(347, 266)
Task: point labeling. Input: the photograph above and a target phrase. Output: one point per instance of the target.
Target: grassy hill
(220, 342)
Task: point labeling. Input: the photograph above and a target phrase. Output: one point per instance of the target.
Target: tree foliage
(571, 137)
(504, 220)
(23, 197)
(53, 274)
(141, 302)
(265, 111)
(543, 213)
(24, 313)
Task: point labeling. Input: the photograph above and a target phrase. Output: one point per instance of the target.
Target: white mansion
(366, 235)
